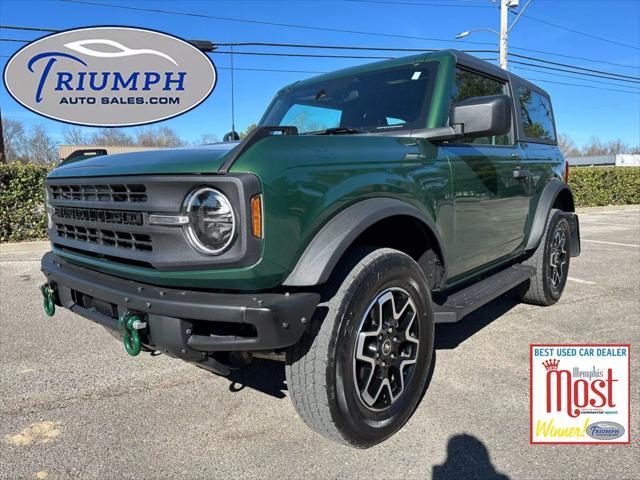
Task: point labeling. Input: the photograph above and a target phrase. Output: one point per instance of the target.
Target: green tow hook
(49, 301)
(130, 323)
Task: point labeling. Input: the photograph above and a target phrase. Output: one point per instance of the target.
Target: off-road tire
(540, 289)
(321, 370)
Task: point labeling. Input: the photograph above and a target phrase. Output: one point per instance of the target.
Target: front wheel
(359, 371)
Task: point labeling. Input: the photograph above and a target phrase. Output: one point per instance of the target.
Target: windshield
(392, 99)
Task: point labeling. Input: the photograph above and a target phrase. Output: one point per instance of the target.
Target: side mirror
(483, 116)
(476, 116)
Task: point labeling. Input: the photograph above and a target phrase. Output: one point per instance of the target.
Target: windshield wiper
(336, 131)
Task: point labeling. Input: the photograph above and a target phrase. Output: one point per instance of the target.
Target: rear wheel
(359, 371)
(551, 260)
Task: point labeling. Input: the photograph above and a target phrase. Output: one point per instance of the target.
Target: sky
(607, 31)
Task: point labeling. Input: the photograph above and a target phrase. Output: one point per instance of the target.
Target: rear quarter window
(535, 116)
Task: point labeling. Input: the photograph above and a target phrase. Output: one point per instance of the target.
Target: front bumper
(183, 323)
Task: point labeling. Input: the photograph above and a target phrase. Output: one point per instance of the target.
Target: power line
(592, 72)
(264, 22)
(574, 57)
(579, 32)
(570, 76)
(572, 66)
(346, 47)
(524, 15)
(311, 55)
(295, 45)
(599, 74)
(33, 29)
(340, 47)
(635, 80)
(291, 25)
(454, 5)
(278, 70)
(305, 55)
(584, 86)
(405, 49)
(401, 49)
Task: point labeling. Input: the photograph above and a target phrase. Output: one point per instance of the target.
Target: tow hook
(130, 323)
(48, 292)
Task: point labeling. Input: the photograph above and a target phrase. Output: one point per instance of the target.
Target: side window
(536, 116)
(469, 84)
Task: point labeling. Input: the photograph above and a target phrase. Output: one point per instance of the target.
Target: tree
(248, 130)
(567, 145)
(41, 147)
(158, 137)
(25, 146)
(75, 136)
(207, 138)
(14, 140)
(596, 147)
(111, 137)
(616, 147)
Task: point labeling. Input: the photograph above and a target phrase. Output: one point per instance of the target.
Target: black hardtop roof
(462, 58)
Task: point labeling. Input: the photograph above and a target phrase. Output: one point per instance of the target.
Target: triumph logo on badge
(110, 76)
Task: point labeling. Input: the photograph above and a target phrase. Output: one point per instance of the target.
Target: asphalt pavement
(74, 405)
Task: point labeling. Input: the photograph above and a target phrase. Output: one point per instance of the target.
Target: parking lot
(73, 404)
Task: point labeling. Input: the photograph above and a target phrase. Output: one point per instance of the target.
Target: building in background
(620, 160)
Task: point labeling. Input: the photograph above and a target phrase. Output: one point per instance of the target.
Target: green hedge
(22, 215)
(599, 186)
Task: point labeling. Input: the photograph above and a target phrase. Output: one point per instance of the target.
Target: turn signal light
(256, 216)
(566, 171)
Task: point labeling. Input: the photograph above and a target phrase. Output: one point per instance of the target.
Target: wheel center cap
(386, 347)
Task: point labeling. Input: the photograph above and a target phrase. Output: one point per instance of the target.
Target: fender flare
(551, 191)
(327, 247)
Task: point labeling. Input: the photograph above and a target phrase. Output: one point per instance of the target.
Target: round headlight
(211, 225)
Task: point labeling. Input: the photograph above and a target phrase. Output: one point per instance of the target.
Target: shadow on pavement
(266, 376)
(450, 335)
(467, 458)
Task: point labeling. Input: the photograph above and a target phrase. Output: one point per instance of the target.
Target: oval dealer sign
(110, 76)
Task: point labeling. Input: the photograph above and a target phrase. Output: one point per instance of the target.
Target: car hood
(204, 159)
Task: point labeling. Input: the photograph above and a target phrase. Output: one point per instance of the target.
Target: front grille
(109, 238)
(135, 193)
(118, 217)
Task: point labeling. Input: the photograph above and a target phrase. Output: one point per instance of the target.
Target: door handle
(520, 173)
(515, 156)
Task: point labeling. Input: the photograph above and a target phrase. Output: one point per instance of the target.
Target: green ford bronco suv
(368, 205)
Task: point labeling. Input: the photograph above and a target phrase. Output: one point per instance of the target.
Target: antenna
(233, 113)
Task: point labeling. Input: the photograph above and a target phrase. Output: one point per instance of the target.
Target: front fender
(331, 242)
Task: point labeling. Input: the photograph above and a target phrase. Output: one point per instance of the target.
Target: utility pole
(3, 158)
(504, 30)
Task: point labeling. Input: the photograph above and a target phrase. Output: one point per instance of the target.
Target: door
(490, 186)
(537, 133)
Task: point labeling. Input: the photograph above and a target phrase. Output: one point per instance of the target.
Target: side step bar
(465, 301)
